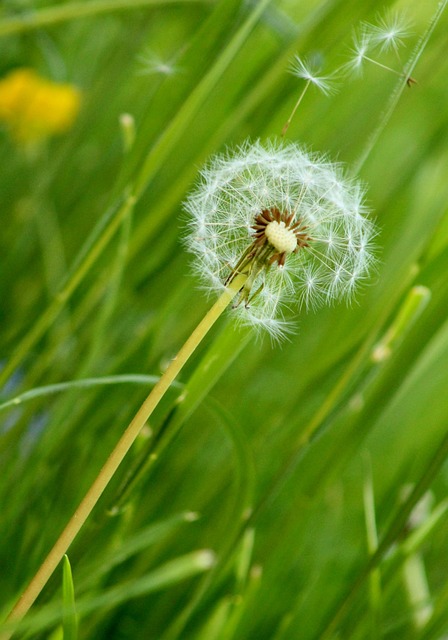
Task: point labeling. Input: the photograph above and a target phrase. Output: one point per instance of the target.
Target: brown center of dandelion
(277, 229)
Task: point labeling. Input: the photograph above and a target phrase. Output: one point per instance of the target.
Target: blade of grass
(372, 545)
(86, 383)
(49, 16)
(69, 616)
(217, 359)
(116, 271)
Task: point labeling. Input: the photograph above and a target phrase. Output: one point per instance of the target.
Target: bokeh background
(314, 470)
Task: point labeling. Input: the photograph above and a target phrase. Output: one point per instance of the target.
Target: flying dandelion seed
(287, 219)
(153, 64)
(390, 31)
(305, 70)
(362, 42)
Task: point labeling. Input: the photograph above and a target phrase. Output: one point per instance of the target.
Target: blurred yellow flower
(34, 108)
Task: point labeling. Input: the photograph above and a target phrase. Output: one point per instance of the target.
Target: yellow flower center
(281, 237)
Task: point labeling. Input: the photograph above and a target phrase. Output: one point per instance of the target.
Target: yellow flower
(34, 108)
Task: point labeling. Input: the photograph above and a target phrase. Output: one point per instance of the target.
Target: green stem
(116, 457)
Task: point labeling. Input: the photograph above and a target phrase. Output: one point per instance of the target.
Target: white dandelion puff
(287, 219)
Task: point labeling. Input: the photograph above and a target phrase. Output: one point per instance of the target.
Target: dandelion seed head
(303, 222)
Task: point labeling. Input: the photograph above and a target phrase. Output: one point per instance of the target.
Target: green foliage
(317, 467)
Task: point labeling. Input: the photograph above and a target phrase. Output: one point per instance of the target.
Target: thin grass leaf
(375, 594)
(244, 559)
(87, 383)
(70, 617)
(214, 627)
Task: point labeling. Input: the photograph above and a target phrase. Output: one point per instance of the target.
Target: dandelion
(286, 219)
(34, 108)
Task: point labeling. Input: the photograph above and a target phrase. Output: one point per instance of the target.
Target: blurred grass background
(299, 466)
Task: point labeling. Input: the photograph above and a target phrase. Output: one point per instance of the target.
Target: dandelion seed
(305, 70)
(152, 64)
(390, 32)
(358, 51)
(289, 221)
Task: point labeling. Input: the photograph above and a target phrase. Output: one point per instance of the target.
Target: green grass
(271, 495)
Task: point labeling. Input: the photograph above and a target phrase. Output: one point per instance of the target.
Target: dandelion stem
(288, 122)
(116, 457)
